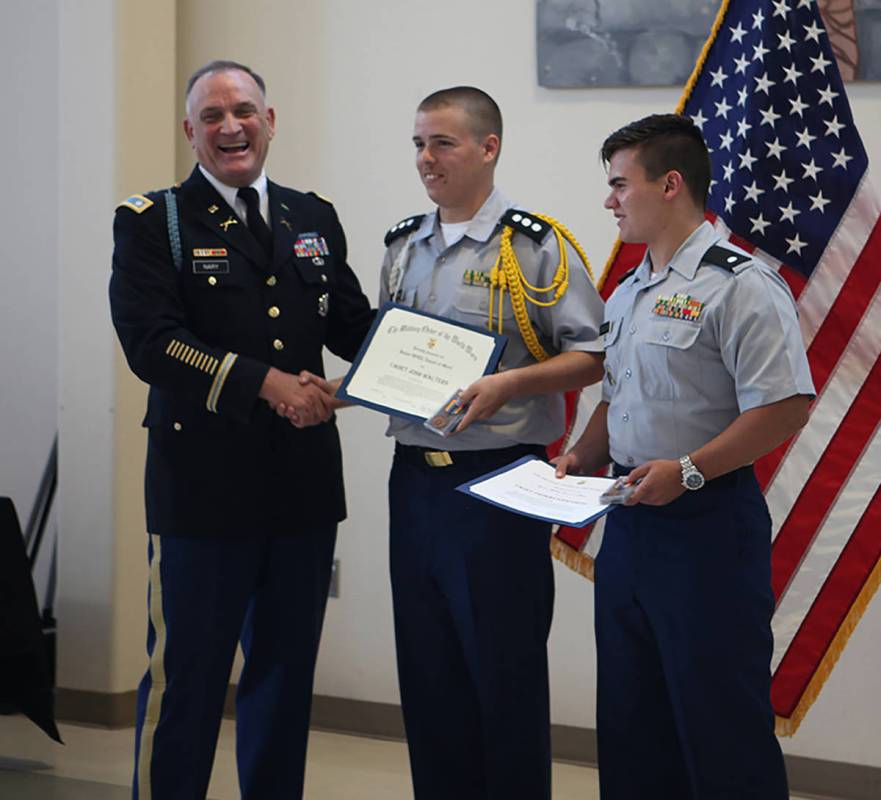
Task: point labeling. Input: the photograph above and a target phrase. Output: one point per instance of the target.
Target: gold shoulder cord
(506, 275)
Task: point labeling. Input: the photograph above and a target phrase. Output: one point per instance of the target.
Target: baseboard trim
(104, 709)
(818, 778)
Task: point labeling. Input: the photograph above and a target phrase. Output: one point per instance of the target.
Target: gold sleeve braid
(506, 275)
(192, 357)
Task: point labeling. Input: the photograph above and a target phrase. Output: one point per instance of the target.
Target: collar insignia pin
(225, 225)
(212, 209)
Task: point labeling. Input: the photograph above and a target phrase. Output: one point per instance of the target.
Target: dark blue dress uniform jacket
(220, 462)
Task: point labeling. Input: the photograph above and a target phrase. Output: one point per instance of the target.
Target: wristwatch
(691, 475)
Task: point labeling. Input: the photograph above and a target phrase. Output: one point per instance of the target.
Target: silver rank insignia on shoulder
(323, 304)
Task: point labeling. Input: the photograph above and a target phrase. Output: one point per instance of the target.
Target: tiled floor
(95, 764)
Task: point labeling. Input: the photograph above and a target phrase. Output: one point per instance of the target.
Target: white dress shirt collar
(230, 194)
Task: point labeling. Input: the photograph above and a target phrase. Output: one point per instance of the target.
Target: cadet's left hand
(485, 396)
(661, 483)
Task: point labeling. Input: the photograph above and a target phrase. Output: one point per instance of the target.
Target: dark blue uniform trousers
(473, 593)
(205, 595)
(683, 610)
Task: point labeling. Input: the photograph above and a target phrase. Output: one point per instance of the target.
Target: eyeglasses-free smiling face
(455, 166)
(229, 126)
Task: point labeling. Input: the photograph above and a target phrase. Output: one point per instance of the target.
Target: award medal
(310, 245)
(679, 306)
(473, 277)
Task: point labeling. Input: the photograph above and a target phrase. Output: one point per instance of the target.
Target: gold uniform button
(178, 426)
(212, 281)
(278, 344)
(273, 311)
(271, 280)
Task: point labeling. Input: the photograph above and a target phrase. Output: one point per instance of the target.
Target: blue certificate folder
(423, 319)
(595, 512)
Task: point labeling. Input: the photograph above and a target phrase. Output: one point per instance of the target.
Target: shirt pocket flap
(680, 335)
(315, 274)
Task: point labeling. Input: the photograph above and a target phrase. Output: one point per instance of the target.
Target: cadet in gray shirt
(473, 584)
(705, 372)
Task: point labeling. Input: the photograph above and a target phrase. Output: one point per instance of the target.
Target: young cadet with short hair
(705, 372)
(473, 584)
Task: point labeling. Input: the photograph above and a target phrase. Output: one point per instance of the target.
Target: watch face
(694, 480)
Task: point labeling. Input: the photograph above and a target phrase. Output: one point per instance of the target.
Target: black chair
(25, 677)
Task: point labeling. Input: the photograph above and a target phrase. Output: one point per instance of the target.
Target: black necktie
(256, 224)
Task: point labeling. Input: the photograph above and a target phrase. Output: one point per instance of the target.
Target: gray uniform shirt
(435, 281)
(694, 345)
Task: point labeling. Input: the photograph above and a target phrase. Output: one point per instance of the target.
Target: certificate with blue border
(529, 487)
(411, 362)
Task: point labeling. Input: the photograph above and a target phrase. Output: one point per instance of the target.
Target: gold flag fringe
(787, 726)
(577, 562)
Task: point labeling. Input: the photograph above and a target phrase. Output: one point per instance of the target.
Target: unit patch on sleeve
(137, 203)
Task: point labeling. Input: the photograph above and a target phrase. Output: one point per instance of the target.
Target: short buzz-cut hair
(483, 112)
(665, 142)
(222, 65)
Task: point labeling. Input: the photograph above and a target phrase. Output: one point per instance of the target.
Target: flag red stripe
(629, 255)
(830, 608)
(816, 497)
(835, 332)
(794, 279)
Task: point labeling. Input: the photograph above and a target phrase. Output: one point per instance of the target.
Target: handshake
(304, 399)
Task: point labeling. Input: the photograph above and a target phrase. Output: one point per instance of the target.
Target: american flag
(792, 183)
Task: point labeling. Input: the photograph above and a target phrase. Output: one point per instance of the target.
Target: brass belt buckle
(438, 458)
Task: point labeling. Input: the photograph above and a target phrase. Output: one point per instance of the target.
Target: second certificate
(411, 362)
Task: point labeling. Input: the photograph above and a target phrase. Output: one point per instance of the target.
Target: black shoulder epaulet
(627, 274)
(535, 228)
(723, 257)
(406, 225)
(320, 197)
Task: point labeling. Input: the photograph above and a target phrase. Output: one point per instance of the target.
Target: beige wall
(344, 76)
(146, 133)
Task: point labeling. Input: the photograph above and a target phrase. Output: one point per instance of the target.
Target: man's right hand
(303, 403)
(568, 464)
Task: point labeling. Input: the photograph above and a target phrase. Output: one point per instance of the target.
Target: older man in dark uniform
(223, 290)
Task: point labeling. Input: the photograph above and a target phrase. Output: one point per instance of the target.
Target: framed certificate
(412, 361)
(530, 487)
